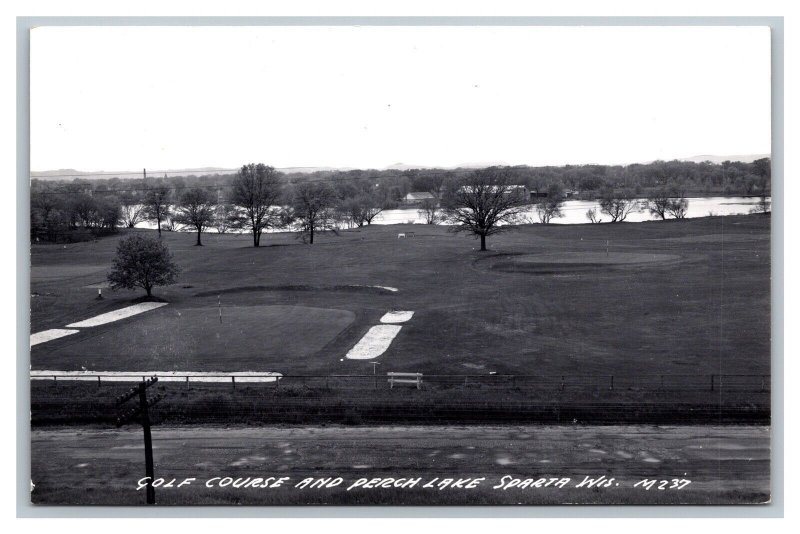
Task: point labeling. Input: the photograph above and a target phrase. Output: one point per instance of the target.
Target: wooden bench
(404, 378)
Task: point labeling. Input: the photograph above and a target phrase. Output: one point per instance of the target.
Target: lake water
(574, 212)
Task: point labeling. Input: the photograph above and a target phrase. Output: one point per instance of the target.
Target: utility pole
(143, 414)
(144, 173)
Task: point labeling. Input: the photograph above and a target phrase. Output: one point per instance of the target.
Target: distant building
(418, 197)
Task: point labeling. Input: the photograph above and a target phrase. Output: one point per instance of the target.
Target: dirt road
(724, 464)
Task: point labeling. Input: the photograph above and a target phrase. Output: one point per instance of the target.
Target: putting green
(573, 262)
(596, 258)
(249, 338)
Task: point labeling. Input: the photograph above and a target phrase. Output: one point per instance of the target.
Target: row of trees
(482, 202)
(703, 178)
(256, 200)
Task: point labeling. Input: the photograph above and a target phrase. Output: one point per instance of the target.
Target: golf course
(678, 297)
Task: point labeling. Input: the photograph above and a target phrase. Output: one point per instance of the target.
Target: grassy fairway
(674, 297)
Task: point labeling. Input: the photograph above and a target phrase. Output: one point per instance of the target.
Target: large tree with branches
(311, 206)
(483, 203)
(255, 193)
(196, 210)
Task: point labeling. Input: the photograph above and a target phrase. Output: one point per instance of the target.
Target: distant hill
(69, 174)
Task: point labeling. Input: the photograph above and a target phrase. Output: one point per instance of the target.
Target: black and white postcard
(400, 265)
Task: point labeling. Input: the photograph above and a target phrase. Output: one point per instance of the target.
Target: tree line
(694, 179)
(259, 198)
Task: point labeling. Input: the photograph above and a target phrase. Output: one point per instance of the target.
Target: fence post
(187, 382)
(98, 380)
(612, 383)
(712, 382)
(233, 381)
(562, 382)
(762, 383)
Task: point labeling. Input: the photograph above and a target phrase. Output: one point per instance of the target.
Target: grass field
(672, 297)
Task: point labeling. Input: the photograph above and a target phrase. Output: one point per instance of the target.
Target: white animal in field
(400, 236)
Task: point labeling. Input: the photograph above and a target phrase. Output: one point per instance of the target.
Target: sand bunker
(397, 316)
(116, 315)
(49, 335)
(374, 343)
(387, 288)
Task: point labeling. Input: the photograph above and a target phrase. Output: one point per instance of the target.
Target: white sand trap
(387, 288)
(50, 335)
(116, 315)
(397, 316)
(374, 343)
(163, 376)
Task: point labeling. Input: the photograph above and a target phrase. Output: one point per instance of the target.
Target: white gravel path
(116, 315)
(397, 316)
(163, 376)
(49, 335)
(374, 343)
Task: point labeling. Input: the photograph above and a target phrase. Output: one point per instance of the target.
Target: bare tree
(678, 207)
(658, 203)
(132, 209)
(157, 205)
(256, 192)
(196, 210)
(224, 216)
(311, 206)
(550, 207)
(169, 224)
(763, 205)
(429, 210)
(592, 216)
(484, 203)
(617, 205)
(361, 208)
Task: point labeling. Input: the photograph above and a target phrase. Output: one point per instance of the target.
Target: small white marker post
(374, 366)
(99, 293)
(219, 305)
(606, 248)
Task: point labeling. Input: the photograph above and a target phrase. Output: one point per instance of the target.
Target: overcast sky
(369, 97)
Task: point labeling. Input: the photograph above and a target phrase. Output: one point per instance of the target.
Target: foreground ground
(726, 465)
(686, 297)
